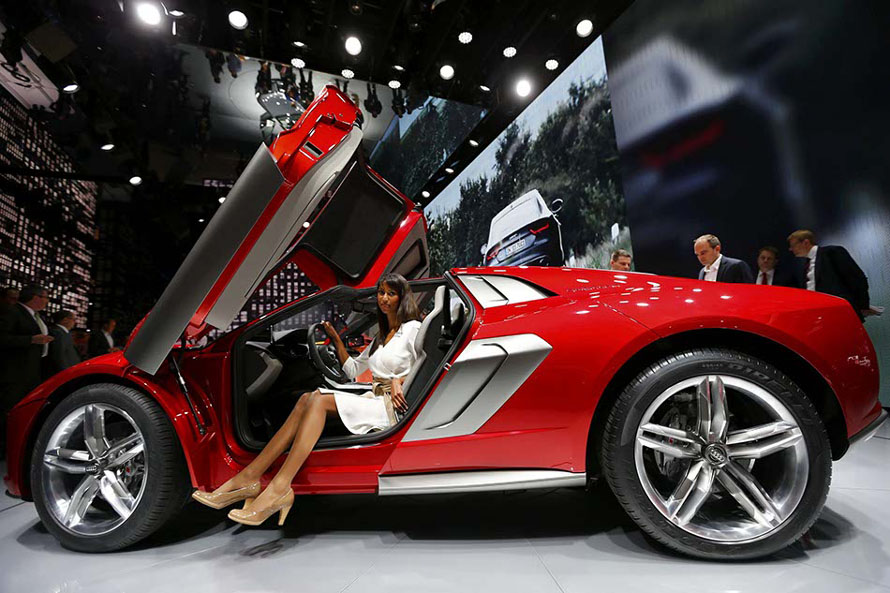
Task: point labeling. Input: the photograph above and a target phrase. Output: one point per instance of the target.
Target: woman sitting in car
(389, 357)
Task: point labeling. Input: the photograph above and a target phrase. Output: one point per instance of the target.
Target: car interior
(289, 354)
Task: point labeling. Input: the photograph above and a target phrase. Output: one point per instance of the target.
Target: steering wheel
(324, 358)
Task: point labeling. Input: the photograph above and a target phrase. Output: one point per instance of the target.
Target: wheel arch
(789, 362)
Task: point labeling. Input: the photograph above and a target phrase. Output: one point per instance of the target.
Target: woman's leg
(320, 405)
(273, 449)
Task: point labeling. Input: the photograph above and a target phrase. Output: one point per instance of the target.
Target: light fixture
(108, 146)
(149, 13)
(425, 194)
(355, 7)
(465, 37)
(398, 68)
(394, 84)
(299, 44)
(135, 180)
(200, 220)
(176, 14)
(473, 143)
(298, 62)
(222, 200)
(71, 87)
(347, 73)
(353, 46)
(509, 51)
(584, 28)
(306, 225)
(446, 72)
(551, 64)
(484, 88)
(449, 170)
(238, 20)
(523, 87)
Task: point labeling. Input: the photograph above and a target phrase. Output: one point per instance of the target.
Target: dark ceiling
(132, 92)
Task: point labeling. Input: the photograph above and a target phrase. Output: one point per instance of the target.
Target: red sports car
(713, 411)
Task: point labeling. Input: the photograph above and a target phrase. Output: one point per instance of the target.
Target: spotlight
(355, 7)
(299, 44)
(446, 72)
(465, 37)
(148, 13)
(135, 180)
(394, 84)
(347, 73)
(473, 143)
(222, 200)
(449, 170)
(106, 147)
(523, 87)
(484, 88)
(306, 225)
(509, 51)
(71, 87)
(238, 20)
(176, 14)
(551, 64)
(584, 28)
(200, 220)
(298, 62)
(353, 46)
(398, 68)
(425, 194)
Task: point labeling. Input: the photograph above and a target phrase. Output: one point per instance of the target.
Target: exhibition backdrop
(750, 120)
(546, 191)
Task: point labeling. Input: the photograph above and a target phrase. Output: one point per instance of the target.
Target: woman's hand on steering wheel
(398, 396)
(329, 329)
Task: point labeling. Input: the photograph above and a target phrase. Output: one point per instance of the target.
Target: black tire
(617, 453)
(167, 482)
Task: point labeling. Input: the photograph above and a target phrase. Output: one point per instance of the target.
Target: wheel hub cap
(716, 455)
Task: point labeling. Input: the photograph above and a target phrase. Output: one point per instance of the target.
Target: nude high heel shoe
(224, 499)
(255, 517)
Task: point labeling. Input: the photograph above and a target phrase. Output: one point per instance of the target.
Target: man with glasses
(24, 342)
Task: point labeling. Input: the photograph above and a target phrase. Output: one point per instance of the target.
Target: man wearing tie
(24, 342)
(829, 269)
(62, 353)
(718, 267)
(102, 342)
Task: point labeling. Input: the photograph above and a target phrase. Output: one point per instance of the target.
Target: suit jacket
(98, 345)
(838, 274)
(62, 353)
(731, 270)
(19, 358)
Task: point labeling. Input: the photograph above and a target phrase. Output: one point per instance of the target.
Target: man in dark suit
(829, 269)
(62, 353)
(769, 272)
(23, 343)
(718, 267)
(102, 341)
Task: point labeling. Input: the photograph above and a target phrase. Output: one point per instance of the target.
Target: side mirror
(556, 205)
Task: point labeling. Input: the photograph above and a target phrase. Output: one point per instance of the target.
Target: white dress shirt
(41, 325)
(811, 272)
(711, 271)
(770, 276)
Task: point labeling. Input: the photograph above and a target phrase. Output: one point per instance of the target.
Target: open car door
(310, 199)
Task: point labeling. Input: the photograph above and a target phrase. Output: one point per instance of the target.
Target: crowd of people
(821, 268)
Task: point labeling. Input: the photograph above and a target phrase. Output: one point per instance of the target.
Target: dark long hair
(407, 311)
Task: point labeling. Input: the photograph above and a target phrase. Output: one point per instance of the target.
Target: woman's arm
(338, 343)
(353, 367)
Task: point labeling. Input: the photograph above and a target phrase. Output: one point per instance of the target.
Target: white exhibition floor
(541, 541)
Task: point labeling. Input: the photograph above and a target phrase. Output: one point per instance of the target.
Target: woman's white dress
(362, 413)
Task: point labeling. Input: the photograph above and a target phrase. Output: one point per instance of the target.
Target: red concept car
(713, 411)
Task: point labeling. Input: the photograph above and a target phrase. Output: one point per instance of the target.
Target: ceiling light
(584, 28)
(176, 14)
(399, 68)
(107, 147)
(222, 200)
(135, 180)
(473, 143)
(509, 51)
(449, 170)
(238, 20)
(298, 62)
(394, 84)
(71, 87)
(353, 46)
(306, 225)
(551, 64)
(523, 87)
(200, 220)
(465, 37)
(347, 73)
(446, 72)
(148, 13)
(484, 88)
(355, 7)
(299, 44)
(425, 194)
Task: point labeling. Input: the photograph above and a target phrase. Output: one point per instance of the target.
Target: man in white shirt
(717, 267)
(102, 341)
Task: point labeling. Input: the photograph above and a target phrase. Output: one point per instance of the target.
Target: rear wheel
(107, 469)
(717, 455)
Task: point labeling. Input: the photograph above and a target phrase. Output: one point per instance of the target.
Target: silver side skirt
(478, 481)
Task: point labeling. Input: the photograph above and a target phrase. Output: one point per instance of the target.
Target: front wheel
(717, 455)
(107, 469)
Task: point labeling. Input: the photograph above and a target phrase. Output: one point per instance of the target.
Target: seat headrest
(438, 307)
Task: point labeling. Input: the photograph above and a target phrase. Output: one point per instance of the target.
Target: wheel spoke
(673, 449)
(125, 450)
(748, 492)
(713, 416)
(692, 492)
(671, 433)
(116, 494)
(94, 430)
(68, 460)
(763, 440)
(81, 499)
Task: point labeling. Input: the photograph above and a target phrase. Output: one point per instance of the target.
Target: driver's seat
(427, 341)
